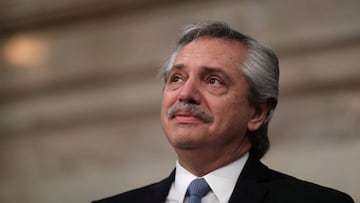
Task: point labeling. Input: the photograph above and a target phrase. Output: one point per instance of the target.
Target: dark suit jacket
(256, 183)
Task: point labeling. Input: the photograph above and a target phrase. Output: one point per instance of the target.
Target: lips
(185, 117)
(184, 113)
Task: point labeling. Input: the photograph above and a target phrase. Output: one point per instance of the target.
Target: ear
(258, 115)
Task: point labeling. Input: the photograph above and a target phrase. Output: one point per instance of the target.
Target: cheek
(168, 99)
(231, 122)
(164, 107)
(229, 112)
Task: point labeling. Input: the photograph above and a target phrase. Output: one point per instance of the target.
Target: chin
(182, 141)
(184, 146)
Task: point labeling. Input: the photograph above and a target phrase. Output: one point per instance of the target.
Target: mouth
(185, 117)
(185, 112)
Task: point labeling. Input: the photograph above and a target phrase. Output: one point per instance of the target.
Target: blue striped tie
(198, 188)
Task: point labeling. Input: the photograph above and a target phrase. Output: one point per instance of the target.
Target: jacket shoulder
(290, 189)
(156, 192)
(136, 195)
(279, 187)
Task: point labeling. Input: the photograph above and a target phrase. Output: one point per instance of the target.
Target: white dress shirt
(221, 181)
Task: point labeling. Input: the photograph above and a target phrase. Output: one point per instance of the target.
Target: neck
(201, 161)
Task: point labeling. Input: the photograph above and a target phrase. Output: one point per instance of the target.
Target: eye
(215, 81)
(176, 78)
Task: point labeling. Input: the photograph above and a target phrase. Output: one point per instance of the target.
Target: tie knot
(198, 188)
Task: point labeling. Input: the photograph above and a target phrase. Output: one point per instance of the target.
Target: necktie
(198, 188)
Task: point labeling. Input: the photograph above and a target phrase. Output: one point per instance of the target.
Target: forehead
(212, 52)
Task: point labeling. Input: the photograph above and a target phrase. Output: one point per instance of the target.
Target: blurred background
(80, 100)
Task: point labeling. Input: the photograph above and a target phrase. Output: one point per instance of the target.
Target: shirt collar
(221, 181)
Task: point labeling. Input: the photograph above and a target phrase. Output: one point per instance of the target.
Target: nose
(190, 92)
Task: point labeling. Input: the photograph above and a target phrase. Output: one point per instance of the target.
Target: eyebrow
(178, 66)
(214, 70)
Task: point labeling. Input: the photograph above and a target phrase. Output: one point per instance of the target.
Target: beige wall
(79, 97)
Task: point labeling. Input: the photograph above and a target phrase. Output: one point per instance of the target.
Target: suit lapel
(159, 191)
(251, 184)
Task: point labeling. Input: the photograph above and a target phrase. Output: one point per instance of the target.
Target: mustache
(193, 109)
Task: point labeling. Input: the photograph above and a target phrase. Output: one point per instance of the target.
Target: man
(221, 88)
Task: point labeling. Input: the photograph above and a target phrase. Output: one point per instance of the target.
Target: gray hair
(261, 70)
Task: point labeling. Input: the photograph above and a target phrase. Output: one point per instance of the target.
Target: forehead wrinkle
(204, 69)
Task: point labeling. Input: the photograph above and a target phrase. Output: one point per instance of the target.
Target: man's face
(206, 74)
